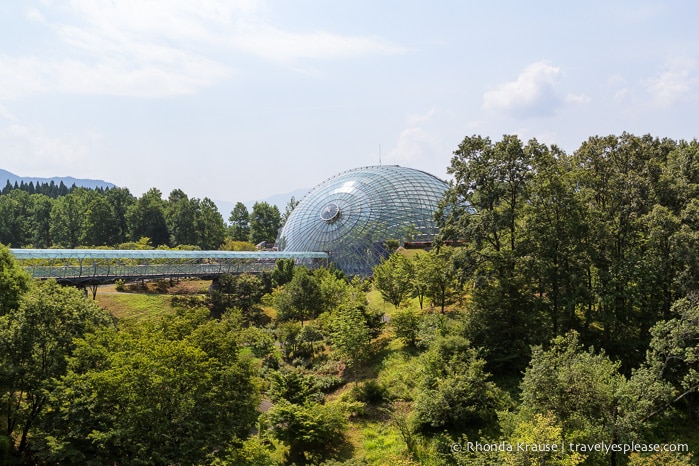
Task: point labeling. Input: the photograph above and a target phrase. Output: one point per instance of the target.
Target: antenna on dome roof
(379, 155)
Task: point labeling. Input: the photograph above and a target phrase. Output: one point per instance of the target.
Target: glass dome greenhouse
(351, 215)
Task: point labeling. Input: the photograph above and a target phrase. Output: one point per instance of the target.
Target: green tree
(212, 230)
(486, 206)
(421, 277)
(664, 458)
(557, 231)
(290, 206)
(121, 201)
(406, 325)
(175, 391)
(35, 341)
(438, 273)
(455, 390)
(392, 278)
(99, 225)
(265, 222)
(14, 282)
(283, 271)
(254, 451)
(301, 298)
(181, 217)
(581, 389)
(67, 217)
(335, 291)
(617, 180)
(239, 223)
(41, 212)
(670, 372)
(313, 432)
(236, 291)
(15, 218)
(539, 431)
(351, 337)
(294, 386)
(146, 218)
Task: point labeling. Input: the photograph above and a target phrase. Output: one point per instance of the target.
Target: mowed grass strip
(135, 305)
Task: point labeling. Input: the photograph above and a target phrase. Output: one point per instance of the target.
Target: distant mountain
(6, 176)
(280, 200)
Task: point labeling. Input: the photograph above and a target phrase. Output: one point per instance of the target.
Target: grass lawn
(135, 305)
(146, 304)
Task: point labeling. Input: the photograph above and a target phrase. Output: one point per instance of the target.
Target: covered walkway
(85, 267)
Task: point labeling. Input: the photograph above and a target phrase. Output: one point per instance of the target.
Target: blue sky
(240, 100)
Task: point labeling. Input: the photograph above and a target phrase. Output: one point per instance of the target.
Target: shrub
(370, 391)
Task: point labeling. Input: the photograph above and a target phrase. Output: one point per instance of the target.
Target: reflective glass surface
(352, 214)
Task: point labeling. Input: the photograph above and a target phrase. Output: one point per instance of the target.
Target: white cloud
(577, 98)
(637, 14)
(421, 118)
(533, 93)
(674, 84)
(415, 143)
(285, 47)
(111, 76)
(621, 95)
(33, 150)
(160, 47)
(616, 79)
(35, 15)
(6, 114)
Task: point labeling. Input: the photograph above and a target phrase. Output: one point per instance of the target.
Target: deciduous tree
(351, 337)
(14, 281)
(581, 388)
(210, 226)
(67, 215)
(36, 340)
(146, 219)
(181, 217)
(392, 278)
(99, 226)
(313, 431)
(265, 222)
(176, 391)
(455, 390)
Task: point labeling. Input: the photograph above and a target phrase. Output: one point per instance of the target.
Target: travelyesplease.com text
(600, 447)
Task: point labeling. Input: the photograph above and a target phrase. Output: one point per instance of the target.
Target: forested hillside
(555, 322)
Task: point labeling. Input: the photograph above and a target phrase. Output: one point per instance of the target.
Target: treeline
(50, 189)
(569, 316)
(78, 217)
(601, 242)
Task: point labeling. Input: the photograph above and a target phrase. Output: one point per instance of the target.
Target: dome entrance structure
(352, 214)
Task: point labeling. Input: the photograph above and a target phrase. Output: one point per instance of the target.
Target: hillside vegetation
(563, 330)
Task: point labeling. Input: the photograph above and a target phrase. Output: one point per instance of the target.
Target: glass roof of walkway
(101, 266)
(77, 254)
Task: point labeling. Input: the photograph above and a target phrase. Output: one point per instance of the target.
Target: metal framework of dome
(352, 214)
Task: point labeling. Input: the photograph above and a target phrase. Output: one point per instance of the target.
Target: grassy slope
(135, 305)
(138, 303)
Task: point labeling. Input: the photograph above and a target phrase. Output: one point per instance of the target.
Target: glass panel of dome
(352, 214)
